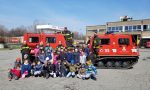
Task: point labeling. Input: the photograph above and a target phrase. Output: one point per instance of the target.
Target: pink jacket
(55, 59)
(36, 52)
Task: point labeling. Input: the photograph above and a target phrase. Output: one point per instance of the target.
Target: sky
(74, 14)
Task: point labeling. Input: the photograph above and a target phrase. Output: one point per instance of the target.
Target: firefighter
(60, 46)
(25, 51)
(68, 36)
(96, 43)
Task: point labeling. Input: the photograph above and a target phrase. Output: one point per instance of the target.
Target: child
(70, 56)
(72, 70)
(48, 49)
(45, 70)
(14, 73)
(82, 72)
(48, 70)
(33, 68)
(77, 56)
(62, 56)
(25, 69)
(82, 57)
(42, 56)
(58, 69)
(41, 47)
(55, 58)
(90, 70)
(38, 69)
(18, 61)
(36, 53)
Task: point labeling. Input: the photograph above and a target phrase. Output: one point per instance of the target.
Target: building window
(134, 28)
(113, 28)
(126, 28)
(120, 27)
(109, 28)
(146, 27)
(139, 27)
(130, 28)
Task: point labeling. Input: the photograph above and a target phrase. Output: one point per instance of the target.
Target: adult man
(68, 36)
(96, 43)
(25, 51)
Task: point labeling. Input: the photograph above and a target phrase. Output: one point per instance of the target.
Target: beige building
(139, 28)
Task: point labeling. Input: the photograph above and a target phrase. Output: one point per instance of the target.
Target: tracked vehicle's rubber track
(116, 63)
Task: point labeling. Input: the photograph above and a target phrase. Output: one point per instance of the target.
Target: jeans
(70, 74)
(37, 72)
(90, 75)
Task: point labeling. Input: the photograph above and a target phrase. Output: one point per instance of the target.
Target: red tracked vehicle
(115, 51)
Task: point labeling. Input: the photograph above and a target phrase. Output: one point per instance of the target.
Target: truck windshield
(34, 39)
(123, 41)
(50, 39)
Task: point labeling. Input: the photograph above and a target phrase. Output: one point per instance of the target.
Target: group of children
(60, 62)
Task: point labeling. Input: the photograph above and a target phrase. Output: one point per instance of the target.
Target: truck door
(124, 46)
(104, 47)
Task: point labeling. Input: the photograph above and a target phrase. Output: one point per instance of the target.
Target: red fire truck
(115, 51)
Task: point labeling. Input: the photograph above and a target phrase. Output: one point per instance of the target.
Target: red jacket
(16, 72)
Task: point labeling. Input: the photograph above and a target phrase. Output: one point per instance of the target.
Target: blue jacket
(49, 54)
(38, 67)
(91, 69)
(62, 56)
(87, 51)
(42, 57)
(70, 57)
(77, 57)
(25, 68)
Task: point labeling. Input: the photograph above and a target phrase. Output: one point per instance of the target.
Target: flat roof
(95, 25)
(129, 21)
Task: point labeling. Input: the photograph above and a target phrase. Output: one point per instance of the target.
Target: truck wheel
(125, 64)
(117, 64)
(109, 64)
(100, 64)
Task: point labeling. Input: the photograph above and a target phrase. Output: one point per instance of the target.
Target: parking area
(137, 78)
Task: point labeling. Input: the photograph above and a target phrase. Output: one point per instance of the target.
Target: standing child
(36, 53)
(42, 56)
(48, 49)
(77, 56)
(82, 57)
(14, 73)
